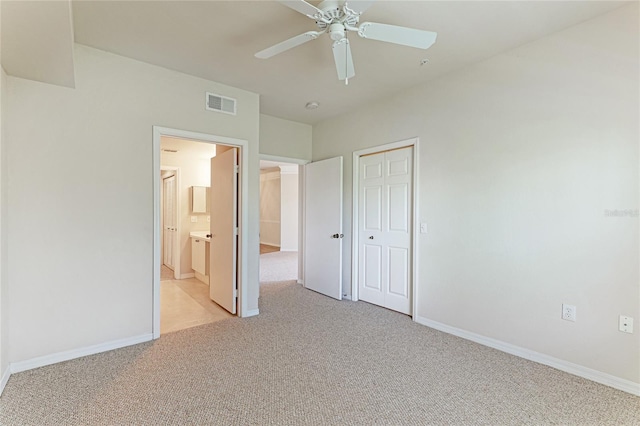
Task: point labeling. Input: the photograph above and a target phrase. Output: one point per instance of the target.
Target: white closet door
(384, 217)
(170, 220)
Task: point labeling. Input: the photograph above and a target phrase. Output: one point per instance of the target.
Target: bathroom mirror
(199, 199)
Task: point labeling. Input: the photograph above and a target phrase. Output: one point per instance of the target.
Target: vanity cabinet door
(198, 255)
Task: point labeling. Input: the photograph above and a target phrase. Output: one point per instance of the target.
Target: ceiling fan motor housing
(334, 12)
(336, 32)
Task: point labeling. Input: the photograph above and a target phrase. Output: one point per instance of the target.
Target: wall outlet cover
(625, 324)
(194, 219)
(568, 312)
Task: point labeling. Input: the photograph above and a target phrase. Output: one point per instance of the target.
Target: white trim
(243, 246)
(413, 142)
(5, 378)
(289, 169)
(566, 366)
(30, 364)
(252, 313)
(281, 159)
(189, 275)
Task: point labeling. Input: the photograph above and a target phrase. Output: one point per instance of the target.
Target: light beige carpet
(278, 266)
(308, 359)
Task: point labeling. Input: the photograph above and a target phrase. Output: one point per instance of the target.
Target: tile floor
(185, 304)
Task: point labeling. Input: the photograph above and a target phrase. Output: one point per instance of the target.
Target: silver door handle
(337, 236)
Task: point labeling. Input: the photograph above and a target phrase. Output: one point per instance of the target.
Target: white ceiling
(217, 40)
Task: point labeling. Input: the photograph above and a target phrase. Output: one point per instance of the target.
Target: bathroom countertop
(201, 235)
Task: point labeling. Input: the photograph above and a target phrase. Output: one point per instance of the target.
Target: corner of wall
(4, 362)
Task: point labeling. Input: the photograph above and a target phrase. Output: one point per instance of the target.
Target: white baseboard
(202, 278)
(5, 378)
(42, 361)
(288, 250)
(251, 313)
(566, 366)
(189, 275)
(301, 282)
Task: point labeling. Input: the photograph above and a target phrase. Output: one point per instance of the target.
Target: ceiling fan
(337, 18)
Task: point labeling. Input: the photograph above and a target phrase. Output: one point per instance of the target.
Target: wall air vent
(221, 104)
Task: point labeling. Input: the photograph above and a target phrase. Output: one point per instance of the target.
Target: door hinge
(236, 168)
(235, 230)
(235, 292)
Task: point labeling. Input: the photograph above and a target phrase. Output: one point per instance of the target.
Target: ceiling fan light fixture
(336, 32)
(312, 105)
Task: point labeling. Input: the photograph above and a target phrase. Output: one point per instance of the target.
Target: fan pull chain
(346, 60)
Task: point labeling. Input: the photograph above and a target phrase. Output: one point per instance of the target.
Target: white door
(223, 255)
(169, 220)
(323, 227)
(384, 220)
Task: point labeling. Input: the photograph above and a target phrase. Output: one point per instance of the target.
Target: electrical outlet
(423, 228)
(568, 312)
(194, 219)
(208, 218)
(626, 324)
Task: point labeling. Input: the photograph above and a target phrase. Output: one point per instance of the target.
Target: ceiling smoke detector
(312, 105)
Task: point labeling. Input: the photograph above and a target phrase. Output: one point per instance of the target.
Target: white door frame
(243, 225)
(355, 250)
(177, 270)
(301, 212)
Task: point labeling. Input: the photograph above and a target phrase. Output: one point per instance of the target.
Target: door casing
(243, 146)
(355, 250)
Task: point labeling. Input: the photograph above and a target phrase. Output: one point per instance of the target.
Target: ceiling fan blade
(398, 35)
(303, 7)
(287, 44)
(344, 61)
(358, 6)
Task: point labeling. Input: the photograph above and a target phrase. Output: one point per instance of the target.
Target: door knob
(337, 236)
(371, 237)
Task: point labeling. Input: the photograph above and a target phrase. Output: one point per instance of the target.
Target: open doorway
(185, 299)
(185, 219)
(279, 221)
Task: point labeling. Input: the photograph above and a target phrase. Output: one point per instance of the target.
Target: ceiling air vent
(221, 104)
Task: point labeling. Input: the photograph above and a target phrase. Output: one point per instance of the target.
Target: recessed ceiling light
(312, 105)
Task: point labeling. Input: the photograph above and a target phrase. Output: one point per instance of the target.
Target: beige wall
(284, 138)
(193, 171)
(270, 207)
(4, 311)
(289, 208)
(520, 157)
(83, 276)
